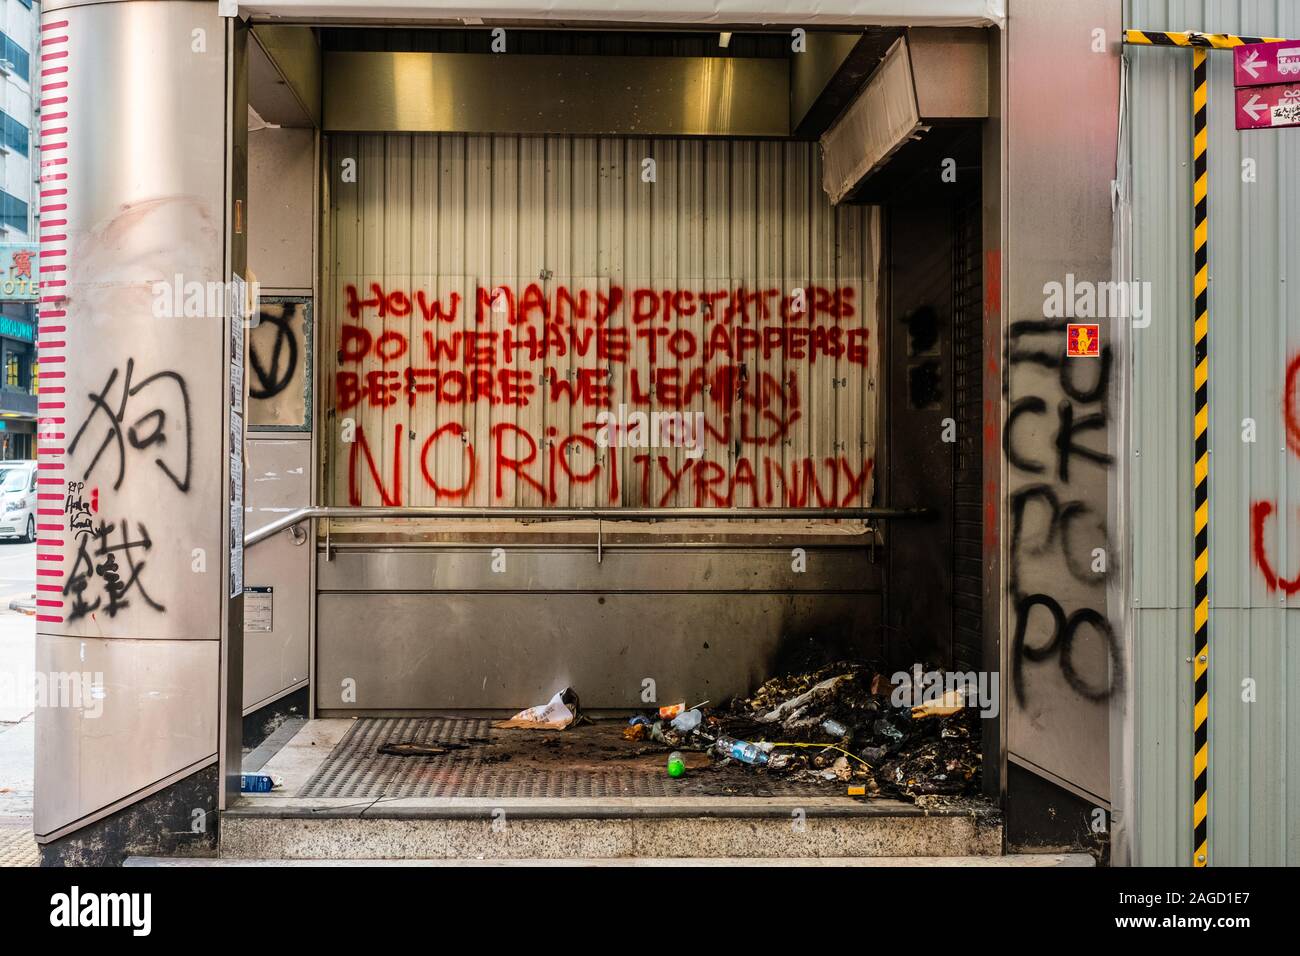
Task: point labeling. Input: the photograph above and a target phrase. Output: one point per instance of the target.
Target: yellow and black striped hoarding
(1200, 45)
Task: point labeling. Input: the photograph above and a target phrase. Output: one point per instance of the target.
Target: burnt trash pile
(844, 724)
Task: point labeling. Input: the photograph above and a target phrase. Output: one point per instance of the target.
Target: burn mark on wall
(924, 376)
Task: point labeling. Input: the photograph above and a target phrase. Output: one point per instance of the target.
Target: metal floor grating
(353, 769)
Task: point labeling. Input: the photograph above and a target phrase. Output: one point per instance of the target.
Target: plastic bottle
(676, 764)
(256, 783)
(741, 750)
(834, 728)
(684, 723)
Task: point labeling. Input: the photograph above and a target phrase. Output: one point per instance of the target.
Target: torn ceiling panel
(930, 78)
(884, 116)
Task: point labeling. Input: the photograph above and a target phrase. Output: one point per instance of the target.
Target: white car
(18, 501)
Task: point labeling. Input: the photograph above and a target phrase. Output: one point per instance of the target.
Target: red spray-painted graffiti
(738, 359)
(1262, 510)
(759, 482)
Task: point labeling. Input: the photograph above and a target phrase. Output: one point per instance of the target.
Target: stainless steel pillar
(141, 222)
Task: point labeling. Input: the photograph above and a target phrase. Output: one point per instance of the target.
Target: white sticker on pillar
(236, 523)
(238, 314)
(236, 478)
(237, 571)
(237, 387)
(236, 433)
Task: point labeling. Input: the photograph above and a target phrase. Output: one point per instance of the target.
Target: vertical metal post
(1200, 431)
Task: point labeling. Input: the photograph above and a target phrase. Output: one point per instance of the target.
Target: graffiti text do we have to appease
(551, 361)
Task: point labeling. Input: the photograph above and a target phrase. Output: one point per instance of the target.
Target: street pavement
(17, 702)
(17, 571)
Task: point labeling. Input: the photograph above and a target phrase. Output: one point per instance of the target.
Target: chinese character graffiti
(162, 399)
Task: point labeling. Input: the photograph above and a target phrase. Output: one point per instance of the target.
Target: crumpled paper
(556, 714)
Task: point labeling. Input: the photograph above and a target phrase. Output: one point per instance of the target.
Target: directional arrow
(1263, 64)
(1252, 64)
(1268, 107)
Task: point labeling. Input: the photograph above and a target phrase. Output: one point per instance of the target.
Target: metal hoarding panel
(1254, 256)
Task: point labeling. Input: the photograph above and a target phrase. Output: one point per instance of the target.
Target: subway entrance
(626, 446)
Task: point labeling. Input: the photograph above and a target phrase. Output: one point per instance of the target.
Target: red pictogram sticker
(1082, 340)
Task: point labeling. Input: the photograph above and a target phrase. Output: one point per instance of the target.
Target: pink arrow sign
(1263, 64)
(1269, 107)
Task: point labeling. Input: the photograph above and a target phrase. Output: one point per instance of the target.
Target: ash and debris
(838, 724)
(835, 729)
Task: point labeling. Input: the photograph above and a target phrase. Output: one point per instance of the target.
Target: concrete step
(605, 829)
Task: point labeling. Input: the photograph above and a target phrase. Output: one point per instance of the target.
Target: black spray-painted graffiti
(278, 359)
(1063, 521)
(78, 509)
(115, 568)
(160, 394)
(272, 373)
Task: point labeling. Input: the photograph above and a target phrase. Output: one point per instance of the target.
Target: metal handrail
(295, 518)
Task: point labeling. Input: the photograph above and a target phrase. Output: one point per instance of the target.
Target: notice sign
(1269, 107)
(259, 609)
(1263, 64)
(1082, 340)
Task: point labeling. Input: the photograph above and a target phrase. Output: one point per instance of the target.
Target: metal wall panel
(140, 712)
(414, 92)
(281, 220)
(278, 481)
(281, 234)
(1059, 646)
(422, 629)
(447, 214)
(1254, 250)
(551, 569)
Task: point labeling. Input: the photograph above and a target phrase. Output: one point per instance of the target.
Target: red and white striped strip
(51, 338)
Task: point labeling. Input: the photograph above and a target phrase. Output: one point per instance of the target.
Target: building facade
(18, 213)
